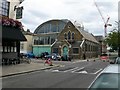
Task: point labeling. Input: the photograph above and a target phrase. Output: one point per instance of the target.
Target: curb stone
(12, 74)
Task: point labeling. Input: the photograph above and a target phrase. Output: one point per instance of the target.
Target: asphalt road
(72, 75)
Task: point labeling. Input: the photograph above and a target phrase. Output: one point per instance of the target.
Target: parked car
(116, 61)
(48, 56)
(104, 57)
(29, 55)
(56, 56)
(43, 54)
(107, 79)
(53, 56)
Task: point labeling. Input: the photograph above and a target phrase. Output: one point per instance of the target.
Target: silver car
(116, 61)
(108, 79)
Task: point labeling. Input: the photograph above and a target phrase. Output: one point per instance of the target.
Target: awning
(12, 33)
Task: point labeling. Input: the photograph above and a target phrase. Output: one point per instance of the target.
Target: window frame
(73, 35)
(75, 53)
(69, 35)
(5, 8)
(65, 36)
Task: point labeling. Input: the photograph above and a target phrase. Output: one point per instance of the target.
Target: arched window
(69, 35)
(65, 36)
(73, 35)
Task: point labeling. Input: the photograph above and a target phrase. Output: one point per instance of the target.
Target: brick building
(65, 38)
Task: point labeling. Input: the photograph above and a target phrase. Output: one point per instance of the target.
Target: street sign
(19, 12)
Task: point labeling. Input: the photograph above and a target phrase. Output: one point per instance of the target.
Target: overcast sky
(83, 11)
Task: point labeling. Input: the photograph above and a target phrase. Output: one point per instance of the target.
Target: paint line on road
(85, 72)
(98, 71)
(71, 69)
(79, 61)
(55, 70)
(77, 69)
(62, 65)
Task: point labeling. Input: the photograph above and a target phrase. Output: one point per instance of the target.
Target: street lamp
(119, 38)
(119, 29)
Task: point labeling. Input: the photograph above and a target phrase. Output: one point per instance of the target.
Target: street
(70, 75)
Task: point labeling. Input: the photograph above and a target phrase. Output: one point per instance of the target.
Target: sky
(85, 12)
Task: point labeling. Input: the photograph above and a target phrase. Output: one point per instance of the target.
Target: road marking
(79, 61)
(55, 70)
(62, 65)
(71, 69)
(74, 70)
(85, 72)
(77, 69)
(98, 71)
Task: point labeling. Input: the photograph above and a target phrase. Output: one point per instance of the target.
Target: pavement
(9, 70)
(35, 65)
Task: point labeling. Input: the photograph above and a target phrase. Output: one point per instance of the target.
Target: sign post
(119, 29)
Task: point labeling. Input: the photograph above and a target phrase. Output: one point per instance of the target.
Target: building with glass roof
(65, 38)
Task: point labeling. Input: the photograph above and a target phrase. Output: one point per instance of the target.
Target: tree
(112, 39)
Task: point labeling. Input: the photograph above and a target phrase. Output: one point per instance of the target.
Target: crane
(105, 22)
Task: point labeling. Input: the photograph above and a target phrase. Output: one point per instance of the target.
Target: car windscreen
(106, 80)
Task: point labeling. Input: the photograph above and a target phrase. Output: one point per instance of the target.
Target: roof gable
(86, 35)
(69, 27)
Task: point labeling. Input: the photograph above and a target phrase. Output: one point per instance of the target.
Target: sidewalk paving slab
(35, 65)
(23, 68)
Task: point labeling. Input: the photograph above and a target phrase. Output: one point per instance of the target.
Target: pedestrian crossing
(79, 70)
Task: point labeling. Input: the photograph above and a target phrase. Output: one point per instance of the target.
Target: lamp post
(119, 29)
(119, 38)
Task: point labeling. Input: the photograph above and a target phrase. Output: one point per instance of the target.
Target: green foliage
(112, 39)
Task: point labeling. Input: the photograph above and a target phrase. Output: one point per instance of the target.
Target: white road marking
(55, 70)
(79, 61)
(62, 65)
(77, 69)
(98, 71)
(71, 69)
(83, 72)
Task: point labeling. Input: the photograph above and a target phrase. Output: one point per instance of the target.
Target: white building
(11, 34)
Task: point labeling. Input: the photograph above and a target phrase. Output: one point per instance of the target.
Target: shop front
(10, 48)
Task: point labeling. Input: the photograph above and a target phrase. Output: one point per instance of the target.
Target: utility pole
(119, 29)
(119, 38)
(118, 41)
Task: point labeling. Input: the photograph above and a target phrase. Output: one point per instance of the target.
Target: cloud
(37, 12)
(40, 14)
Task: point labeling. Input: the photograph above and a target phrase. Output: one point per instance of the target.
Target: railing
(25, 59)
(10, 58)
